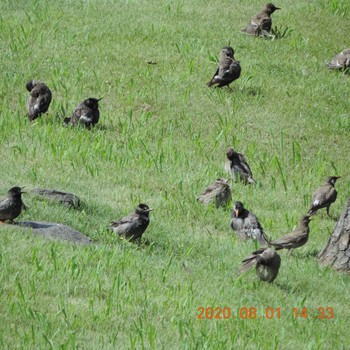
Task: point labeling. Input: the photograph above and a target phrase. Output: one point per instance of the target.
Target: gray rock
(53, 230)
(68, 199)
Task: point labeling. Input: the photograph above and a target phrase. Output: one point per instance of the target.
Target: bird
(261, 23)
(324, 196)
(340, 61)
(297, 238)
(228, 70)
(246, 224)
(11, 206)
(218, 192)
(133, 226)
(39, 99)
(86, 113)
(267, 263)
(237, 165)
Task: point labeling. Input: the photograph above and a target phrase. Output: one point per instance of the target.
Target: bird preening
(228, 70)
(133, 226)
(261, 23)
(12, 205)
(341, 61)
(86, 113)
(267, 264)
(237, 165)
(218, 192)
(39, 99)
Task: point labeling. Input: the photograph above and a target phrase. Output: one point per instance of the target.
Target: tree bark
(336, 253)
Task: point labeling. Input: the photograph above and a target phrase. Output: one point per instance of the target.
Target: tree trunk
(336, 253)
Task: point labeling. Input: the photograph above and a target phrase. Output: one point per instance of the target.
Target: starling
(324, 196)
(219, 192)
(12, 205)
(86, 113)
(134, 225)
(237, 165)
(39, 100)
(267, 263)
(340, 61)
(246, 224)
(261, 23)
(296, 238)
(229, 69)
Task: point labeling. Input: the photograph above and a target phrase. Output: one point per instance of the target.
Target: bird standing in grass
(134, 225)
(237, 165)
(267, 263)
(340, 61)
(11, 206)
(218, 192)
(39, 99)
(228, 70)
(297, 238)
(261, 23)
(86, 113)
(246, 224)
(324, 196)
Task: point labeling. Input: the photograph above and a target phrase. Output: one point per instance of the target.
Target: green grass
(161, 140)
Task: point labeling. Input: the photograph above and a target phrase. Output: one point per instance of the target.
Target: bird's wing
(323, 195)
(294, 237)
(214, 79)
(244, 164)
(248, 262)
(5, 206)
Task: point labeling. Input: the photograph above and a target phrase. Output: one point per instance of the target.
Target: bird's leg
(328, 206)
(290, 252)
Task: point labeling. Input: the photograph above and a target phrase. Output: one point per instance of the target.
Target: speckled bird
(228, 70)
(267, 263)
(12, 205)
(133, 226)
(324, 196)
(237, 165)
(261, 23)
(39, 99)
(340, 61)
(246, 224)
(218, 192)
(86, 113)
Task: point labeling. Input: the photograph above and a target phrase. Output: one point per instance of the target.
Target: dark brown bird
(11, 206)
(297, 238)
(266, 261)
(228, 70)
(246, 224)
(134, 225)
(261, 23)
(219, 192)
(237, 165)
(324, 196)
(39, 99)
(86, 113)
(340, 61)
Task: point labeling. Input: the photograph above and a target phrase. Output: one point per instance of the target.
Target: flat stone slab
(53, 230)
(68, 199)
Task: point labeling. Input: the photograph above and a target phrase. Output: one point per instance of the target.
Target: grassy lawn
(161, 140)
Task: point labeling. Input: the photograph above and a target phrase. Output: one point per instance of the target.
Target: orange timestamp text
(217, 313)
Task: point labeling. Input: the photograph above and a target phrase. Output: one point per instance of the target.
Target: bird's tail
(312, 211)
(332, 65)
(251, 180)
(66, 120)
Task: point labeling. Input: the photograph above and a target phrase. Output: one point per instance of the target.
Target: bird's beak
(237, 212)
(100, 99)
(338, 177)
(150, 209)
(22, 189)
(277, 8)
